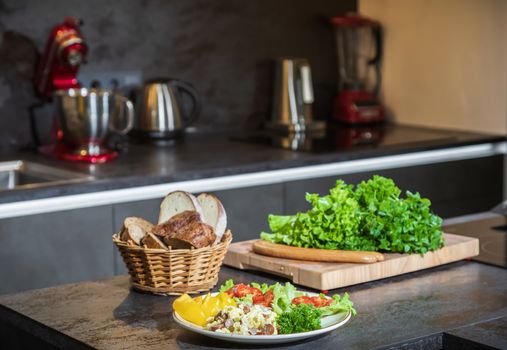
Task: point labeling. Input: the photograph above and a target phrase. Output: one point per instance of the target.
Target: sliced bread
(177, 202)
(213, 214)
(152, 241)
(134, 229)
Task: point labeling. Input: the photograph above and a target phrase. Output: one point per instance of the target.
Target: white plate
(333, 322)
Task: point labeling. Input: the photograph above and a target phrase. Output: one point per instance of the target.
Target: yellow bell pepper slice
(189, 310)
(201, 308)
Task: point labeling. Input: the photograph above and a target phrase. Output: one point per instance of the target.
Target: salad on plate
(260, 309)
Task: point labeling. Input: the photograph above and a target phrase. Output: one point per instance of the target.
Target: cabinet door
(454, 188)
(248, 209)
(48, 249)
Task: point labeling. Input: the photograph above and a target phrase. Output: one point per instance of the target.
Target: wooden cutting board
(324, 276)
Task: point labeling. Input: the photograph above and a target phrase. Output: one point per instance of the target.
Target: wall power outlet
(121, 79)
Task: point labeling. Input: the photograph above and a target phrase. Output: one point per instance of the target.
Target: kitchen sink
(18, 174)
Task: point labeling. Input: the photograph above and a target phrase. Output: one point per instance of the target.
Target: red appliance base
(358, 107)
(60, 151)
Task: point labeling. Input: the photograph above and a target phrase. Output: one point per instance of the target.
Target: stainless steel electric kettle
(293, 97)
(160, 114)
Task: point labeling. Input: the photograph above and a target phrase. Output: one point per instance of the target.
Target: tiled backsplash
(225, 48)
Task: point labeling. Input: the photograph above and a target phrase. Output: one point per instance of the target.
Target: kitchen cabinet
(248, 209)
(455, 188)
(48, 249)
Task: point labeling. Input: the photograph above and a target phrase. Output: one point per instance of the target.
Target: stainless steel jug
(160, 114)
(87, 117)
(293, 97)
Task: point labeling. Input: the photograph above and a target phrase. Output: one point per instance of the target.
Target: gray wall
(223, 47)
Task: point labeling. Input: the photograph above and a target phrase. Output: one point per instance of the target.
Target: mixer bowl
(87, 116)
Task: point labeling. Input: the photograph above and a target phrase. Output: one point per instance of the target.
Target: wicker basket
(173, 271)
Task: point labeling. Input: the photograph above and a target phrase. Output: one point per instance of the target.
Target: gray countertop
(202, 156)
(459, 303)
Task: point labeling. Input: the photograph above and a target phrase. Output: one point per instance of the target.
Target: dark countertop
(459, 303)
(213, 155)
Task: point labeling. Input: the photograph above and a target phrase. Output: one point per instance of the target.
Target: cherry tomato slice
(268, 298)
(302, 300)
(241, 290)
(320, 301)
(258, 299)
(315, 301)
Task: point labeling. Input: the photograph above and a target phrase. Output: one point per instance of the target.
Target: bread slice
(177, 202)
(213, 214)
(152, 241)
(134, 229)
(176, 243)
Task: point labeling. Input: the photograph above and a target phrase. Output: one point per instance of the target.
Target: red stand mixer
(359, 50)
(65, 51)
(84, 116)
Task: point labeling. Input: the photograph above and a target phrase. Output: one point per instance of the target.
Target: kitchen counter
(214, 156)
(451, 307)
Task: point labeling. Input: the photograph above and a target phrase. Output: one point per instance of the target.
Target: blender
(359, 51)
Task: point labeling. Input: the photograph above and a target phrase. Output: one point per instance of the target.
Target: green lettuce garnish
(283, 295)
(262, 287)
(339, 304)
(226, 286)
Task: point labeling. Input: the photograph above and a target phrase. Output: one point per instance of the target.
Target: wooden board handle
(313, 254)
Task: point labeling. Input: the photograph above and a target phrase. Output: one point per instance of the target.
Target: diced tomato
(315, 301)
(268, 298)
(258, 299)
(321, 301)
(325, 291)
(241, 290)
(302, 300)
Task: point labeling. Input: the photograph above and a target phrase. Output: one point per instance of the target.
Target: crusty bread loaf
(196, 234)
(176, 222)
(185, 230)
(177, 202)
(152, 241)
(213, 214)
(134, 229)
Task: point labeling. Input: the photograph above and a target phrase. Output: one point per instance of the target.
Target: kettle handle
(127, 113)
(196, 100)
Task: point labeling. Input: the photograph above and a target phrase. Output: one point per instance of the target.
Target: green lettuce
(371, 217)
(262, 287)
(282, 296)
(339, 304)
(226, 286)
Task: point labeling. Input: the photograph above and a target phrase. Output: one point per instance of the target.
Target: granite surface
(207, 155)
(492, 334)
(414, 311)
